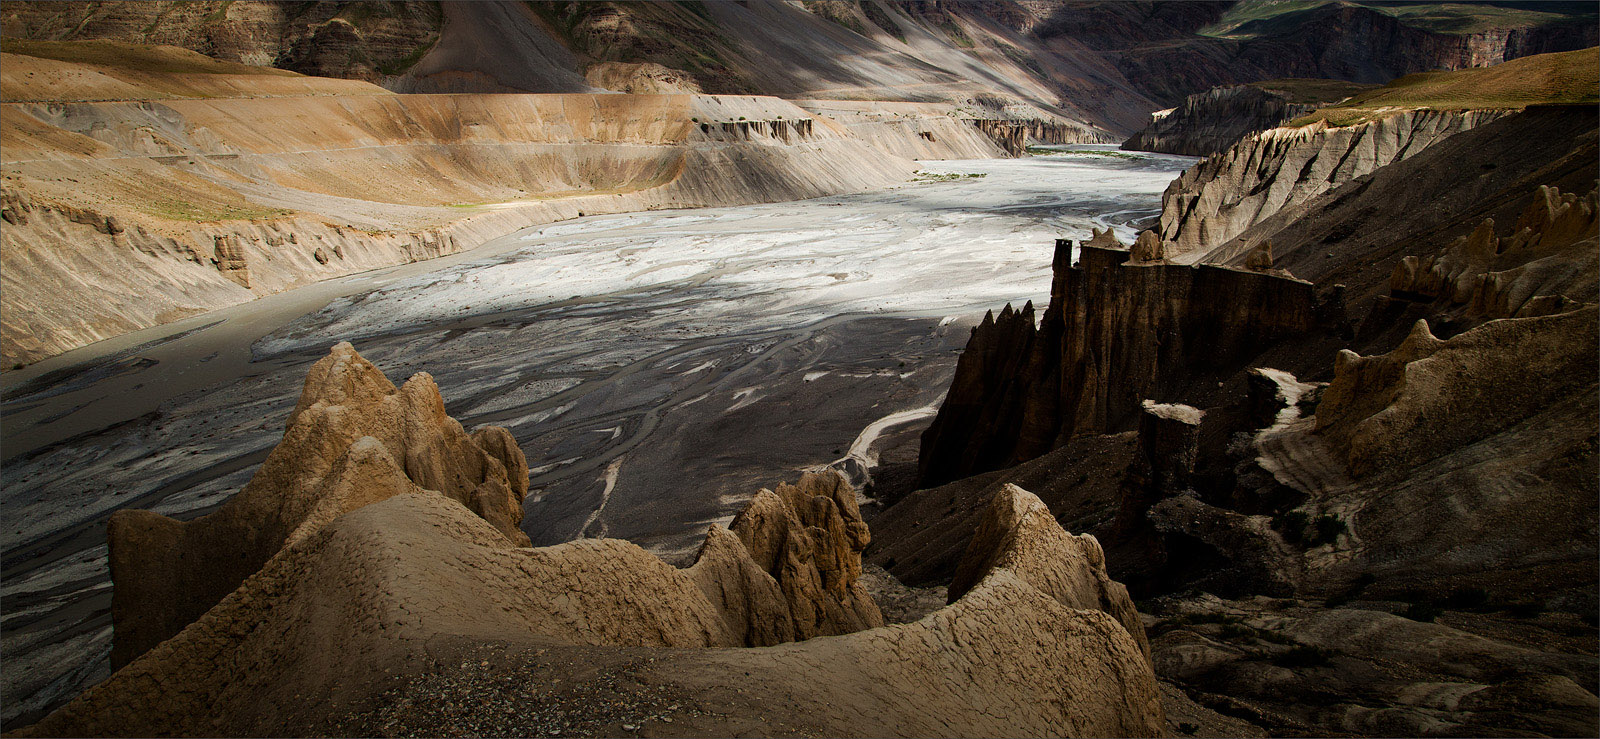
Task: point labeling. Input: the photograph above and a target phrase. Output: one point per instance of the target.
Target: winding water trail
(656, 368)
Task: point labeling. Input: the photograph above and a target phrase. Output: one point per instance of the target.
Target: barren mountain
(1368, 481)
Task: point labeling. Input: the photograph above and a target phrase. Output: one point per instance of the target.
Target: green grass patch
(1248, 20)
(837, 12)
(947, 177)
(179, 210)
(396, 67)
(1109, 154)
(1571, 77)
(882, 19)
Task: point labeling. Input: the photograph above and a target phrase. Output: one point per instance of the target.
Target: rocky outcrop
(1019, 534)
(353, 439)
(388, 573)
(1010, 136)
(1548, 264)
(1117, 332)
(1284, 168)
(1374, 672)
(366, 41)
(1214, 120)
(1429, 396)
(809, 538)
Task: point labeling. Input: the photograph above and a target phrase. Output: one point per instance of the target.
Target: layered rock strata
(383, 576)
(1284, 168)
(1209, 122)
(200, 204)
(1117, 332)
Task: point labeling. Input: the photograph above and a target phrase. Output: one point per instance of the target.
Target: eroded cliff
(387, 577)
(1210, 122)
(198, 204)
(1117, 331)
(1285, 168)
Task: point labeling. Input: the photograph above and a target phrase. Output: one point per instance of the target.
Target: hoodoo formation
(715, 425)
(379, 564)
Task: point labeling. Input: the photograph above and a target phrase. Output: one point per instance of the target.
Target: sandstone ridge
(391, 560)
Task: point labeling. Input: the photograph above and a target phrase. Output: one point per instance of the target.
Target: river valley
(656, 368)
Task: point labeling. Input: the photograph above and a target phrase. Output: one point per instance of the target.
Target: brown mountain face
(1394, 499)
(1105, 64)
(373, 41)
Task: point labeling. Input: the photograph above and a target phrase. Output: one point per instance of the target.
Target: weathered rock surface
(1212, 121)
(1117, 332)
(220, 201)
(1019, 534)
(353, 439)
(365, 41)
(809, 538)
(1292, 666)
(380, 579)
(1430, 396)
(1224, 195)
(1548, 264)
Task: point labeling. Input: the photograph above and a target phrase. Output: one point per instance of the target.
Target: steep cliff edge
(1212, 121)
(1277, 174)
(1117, 331)
(385, 586)
(1392, 511)
(1222, 196)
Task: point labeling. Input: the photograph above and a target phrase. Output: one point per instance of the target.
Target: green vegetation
(1111, 154)
(397, 67)
(135, 57)
(881, 19)
(1571, 77)
(937, 177)
(1252, 19)
(838, 12)
(182, 210)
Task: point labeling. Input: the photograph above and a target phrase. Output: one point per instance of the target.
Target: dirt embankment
(122, 215)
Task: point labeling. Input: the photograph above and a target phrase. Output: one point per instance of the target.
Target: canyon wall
(384, 572)
(124, 215)
(1118, 331)
(1212, 121)
(1284, 168)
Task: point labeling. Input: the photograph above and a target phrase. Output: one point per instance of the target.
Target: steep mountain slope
(1210, 122)
(1101, 64)
(1381, 522)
